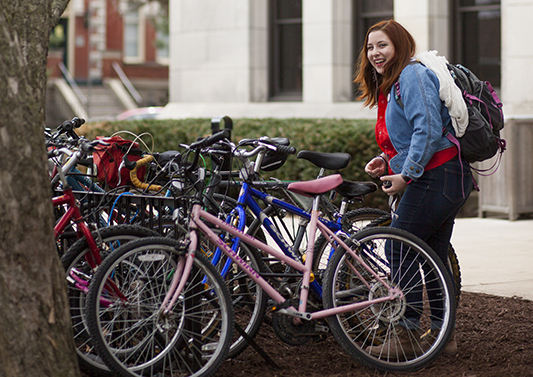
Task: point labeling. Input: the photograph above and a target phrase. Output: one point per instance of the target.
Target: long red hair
(369, 81)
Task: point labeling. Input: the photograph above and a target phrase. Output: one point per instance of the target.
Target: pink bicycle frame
(196, 223)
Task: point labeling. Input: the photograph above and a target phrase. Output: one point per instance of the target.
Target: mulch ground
(494, 336)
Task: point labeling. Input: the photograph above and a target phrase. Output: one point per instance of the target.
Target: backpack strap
(397, 94)
(455, 142)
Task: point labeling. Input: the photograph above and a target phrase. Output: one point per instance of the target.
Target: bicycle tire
(134, 337)
(74, 262)
(352, 222)
(362, 332)
(453, 265)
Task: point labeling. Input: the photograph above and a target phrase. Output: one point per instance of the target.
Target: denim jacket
(416, 130)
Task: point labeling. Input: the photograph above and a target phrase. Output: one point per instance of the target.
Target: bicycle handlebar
(70, 125)
(84, 146)
(210, 140)
(286, 149)
(261, 145)
(206, 142)
(88, 146)
(133, 166)
(59, 151)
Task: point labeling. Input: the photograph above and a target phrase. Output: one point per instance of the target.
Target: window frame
(458, 11)
(163, 60)
(360, 29)
(276, 93)
(141, 39)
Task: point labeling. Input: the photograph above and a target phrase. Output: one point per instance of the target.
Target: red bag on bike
(108, 158)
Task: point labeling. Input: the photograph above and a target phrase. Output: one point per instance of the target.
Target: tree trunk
(35, 330)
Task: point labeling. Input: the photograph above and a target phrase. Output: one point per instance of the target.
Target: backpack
(481, 139)
(107, 160)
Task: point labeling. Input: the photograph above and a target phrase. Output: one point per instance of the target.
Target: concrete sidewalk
(495, 256)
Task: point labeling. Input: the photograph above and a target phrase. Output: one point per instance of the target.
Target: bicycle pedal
(272, 306)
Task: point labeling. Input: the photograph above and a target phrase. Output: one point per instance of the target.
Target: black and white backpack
(481, 140)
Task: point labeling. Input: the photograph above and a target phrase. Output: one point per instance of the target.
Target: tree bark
(35, 330)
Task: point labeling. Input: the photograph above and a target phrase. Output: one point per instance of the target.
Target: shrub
(355, 137)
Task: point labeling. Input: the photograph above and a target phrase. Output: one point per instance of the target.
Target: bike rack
(128, 208)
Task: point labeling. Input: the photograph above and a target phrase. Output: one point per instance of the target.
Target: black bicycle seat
(330, 161)
(351, 190)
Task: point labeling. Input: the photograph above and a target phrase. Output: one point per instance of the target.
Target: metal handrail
(72, 83)
(127, 83)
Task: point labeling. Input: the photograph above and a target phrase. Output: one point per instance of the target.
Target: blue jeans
(428, 209)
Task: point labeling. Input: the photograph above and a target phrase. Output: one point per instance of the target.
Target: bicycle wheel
(134, 336)
(452, 262)
(78, 274)
(400, 334)
(352, 222)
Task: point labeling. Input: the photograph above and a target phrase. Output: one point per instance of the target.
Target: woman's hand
(398, 184)
(376, 167)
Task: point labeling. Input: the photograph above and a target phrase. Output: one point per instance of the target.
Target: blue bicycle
(275, 217)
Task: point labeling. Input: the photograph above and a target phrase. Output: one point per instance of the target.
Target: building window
(157, 13)
(366, 14)
(134, 35)
(286, 50)
(162, 45)
(477, 38)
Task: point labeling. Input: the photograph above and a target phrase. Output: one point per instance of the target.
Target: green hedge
(355, 137)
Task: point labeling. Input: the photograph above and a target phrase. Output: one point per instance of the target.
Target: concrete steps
(102, 103)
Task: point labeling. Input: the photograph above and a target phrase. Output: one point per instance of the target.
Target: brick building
(115, 54)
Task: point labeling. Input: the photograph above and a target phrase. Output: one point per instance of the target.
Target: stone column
(327, 56)
(427, 21)
(517, 57)
(218, 51)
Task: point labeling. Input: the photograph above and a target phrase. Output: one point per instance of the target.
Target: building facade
(296, 58)
(302, 53)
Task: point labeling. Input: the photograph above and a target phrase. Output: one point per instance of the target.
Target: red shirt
(382, 135)
(385, 144)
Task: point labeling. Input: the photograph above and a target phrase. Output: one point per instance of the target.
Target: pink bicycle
(380, 284)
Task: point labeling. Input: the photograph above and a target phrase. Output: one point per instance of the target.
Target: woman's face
(380, 50)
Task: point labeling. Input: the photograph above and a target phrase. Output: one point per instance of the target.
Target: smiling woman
(403, 49)
(417, 160)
